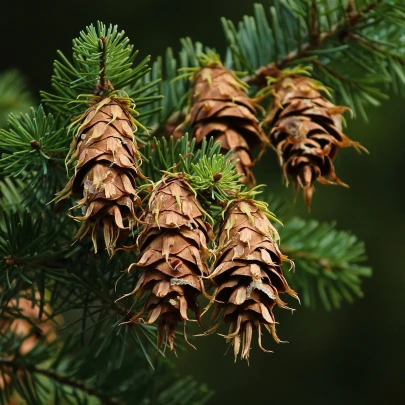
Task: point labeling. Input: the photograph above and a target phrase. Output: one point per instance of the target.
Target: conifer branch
(182, 185)
(368, 42)
(103, 62)
(13, 95)
(106, 299)
(340, 30)
(54, 375)
(327, 262)
(32, 144)
(314, 24)
(103, 68)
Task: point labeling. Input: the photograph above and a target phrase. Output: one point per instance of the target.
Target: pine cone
(221, 108)
(248, 276)
(173, 255)
(105, 172)
(306, 131)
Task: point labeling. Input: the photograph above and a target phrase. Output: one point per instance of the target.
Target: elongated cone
(248, 276)
(173, 256)
(220, 108)
(105, 173)
(306, 131)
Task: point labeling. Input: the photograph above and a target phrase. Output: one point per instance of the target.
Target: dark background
(351, 356)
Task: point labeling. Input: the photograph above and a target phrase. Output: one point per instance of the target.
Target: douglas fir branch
(159, 193)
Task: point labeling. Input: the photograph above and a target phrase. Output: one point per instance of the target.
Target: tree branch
(352, 19)
(102, 83)
(65, 380)
(376, 47)
(314, 24)
(296, 254)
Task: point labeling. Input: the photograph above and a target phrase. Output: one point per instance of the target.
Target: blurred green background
(351, 356)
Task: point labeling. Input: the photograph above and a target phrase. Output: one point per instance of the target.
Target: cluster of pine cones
(305, 128)
(175, 241)
(174, 257)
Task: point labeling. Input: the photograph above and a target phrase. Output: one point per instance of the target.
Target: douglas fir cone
(306, 131)
(105, 172)
(173, 256)
(221, 108)
(247, 275)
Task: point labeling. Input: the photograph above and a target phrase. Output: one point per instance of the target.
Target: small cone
(248, 276)
(105, 173)
(306, 132)
(173, 256)
(220, 108)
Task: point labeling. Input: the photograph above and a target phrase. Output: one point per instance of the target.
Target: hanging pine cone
(306, 131)
(173, 255)
(105, 172)
(221, 108)
(247, 275)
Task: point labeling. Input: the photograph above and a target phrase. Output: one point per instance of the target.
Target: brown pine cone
(220, 108)
(105, 173)
(248, 276)
(306, 132)
(173, 256)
